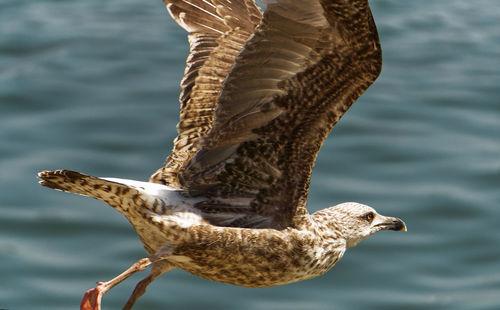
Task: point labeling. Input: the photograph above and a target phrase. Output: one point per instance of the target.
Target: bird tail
(86, 185)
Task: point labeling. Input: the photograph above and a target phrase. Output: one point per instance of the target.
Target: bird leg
(157, 269)
(92, 298)
(139, 290)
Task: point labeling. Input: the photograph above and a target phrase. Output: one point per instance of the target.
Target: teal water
(92, 86)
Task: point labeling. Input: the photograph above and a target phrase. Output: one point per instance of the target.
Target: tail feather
(108, 191)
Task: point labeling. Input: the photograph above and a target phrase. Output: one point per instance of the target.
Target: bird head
(358, 222)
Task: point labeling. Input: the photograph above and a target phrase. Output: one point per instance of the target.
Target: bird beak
(392, 223)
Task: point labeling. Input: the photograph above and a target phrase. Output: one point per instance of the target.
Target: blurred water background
(92, 86)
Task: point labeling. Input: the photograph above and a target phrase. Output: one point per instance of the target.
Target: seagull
(260, 93)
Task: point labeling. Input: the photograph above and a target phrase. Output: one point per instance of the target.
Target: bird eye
(369, 217)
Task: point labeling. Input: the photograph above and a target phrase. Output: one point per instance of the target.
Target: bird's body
(168, 225)
(261, 92)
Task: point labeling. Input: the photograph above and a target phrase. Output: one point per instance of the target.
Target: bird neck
(328, 225)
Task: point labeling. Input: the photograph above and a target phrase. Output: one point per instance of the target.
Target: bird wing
(305, 64)
(217, 30)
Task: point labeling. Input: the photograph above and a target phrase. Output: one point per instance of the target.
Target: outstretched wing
(217, 30)
(306, 63)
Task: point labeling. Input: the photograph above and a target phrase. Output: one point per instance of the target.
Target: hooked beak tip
(399, 225)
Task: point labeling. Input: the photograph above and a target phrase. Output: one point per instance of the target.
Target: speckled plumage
(261, 92)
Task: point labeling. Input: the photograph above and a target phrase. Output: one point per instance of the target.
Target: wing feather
(217, 30)
(304, 66)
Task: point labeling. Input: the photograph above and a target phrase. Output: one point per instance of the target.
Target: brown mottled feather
(306, 63)
(217, 31)
(257, 102)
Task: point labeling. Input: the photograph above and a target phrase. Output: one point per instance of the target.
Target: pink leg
(92, 298)
(157, 270)
(139, 290)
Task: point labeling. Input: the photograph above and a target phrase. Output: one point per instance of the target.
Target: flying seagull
(260, 93)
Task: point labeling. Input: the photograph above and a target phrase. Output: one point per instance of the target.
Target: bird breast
(252, 257)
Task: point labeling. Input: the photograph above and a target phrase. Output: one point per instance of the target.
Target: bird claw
(92, 298)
